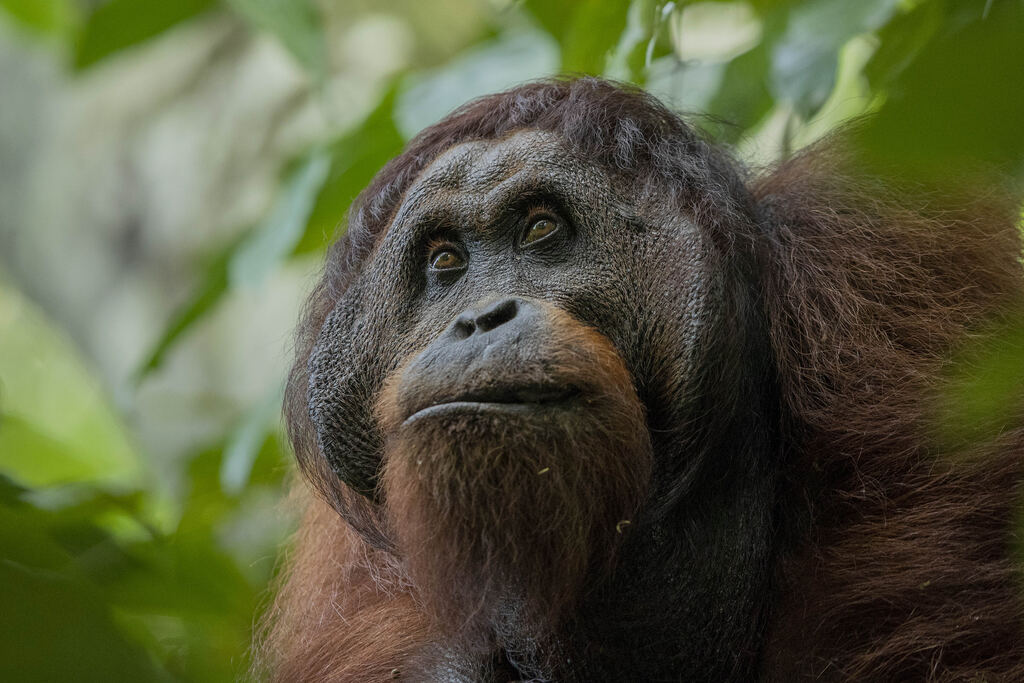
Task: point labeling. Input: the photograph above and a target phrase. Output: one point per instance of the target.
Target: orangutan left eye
(541, 229)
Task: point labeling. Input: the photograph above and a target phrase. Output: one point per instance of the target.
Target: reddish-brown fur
(897, 545)
(343, 614)
(476, 512)
(907, 572)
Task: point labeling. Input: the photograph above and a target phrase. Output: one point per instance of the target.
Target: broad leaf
(117, 24)
(806, 56)
(355, 159)
(49, 17)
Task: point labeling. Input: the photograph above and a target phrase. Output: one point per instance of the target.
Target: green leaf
(117, 24)
(641, 42)
(743, 98)
(355, 159)
(275, 238)
(592, 35)
(55, 625)
(587, 30)
(296, 23)
(56, 424)
(901, 40)
(211, 290)
(512, 58)
(48, 17)
(805, 57)
(959, 102)
(986, 390)
(246, 440)
(37, 458)
(250, 258)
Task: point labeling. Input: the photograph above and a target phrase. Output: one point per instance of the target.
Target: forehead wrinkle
(481, 169)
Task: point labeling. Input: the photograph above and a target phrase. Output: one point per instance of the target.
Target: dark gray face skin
(629, 263)
(479, 199)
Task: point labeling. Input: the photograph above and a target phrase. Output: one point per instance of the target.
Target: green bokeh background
(171, 172)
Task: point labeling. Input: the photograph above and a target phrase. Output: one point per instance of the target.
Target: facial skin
(504, 382)
(480, 198)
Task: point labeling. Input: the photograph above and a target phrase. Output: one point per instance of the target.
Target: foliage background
(170, 173)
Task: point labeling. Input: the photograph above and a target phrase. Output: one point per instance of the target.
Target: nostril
(497, 315)
(463, 327)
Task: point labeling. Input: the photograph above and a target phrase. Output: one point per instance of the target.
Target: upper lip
(524, 393)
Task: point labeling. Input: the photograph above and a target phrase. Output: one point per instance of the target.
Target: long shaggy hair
(895, 548)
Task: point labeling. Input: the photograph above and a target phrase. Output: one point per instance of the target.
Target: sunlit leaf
(296, 23)
(49, 17)
(643, 40)
(805, 57)
(36, 458)
(56, 423)
(114, 25)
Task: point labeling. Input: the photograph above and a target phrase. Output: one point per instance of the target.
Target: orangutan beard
(504, 511)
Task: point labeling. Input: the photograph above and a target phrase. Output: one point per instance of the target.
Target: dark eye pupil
(445, 260)
(540, 229)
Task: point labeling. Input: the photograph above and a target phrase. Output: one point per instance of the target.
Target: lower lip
(482, 407)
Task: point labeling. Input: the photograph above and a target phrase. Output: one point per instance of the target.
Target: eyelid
(442, 244)
(534, 216)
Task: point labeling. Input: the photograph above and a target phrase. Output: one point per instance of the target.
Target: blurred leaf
(244, 444)
(56, 425)
(689, 85)
(275, 238)
(511, 59)
(55, 629)
(960, 101)
(185, 575)
(215, 283)
(114, 25)
(986, 390)
(901, 40)
(50, 17)
(355, 159)
(806, 56)
(591, 34)
(296, 23)
(743, 98)
(36, 458)
(641, 42)
(54, 624)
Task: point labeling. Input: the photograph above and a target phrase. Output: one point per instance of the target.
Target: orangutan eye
(541, 228)
(447, 259)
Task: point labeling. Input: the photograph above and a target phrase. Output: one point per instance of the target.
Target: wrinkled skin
(676, 588)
